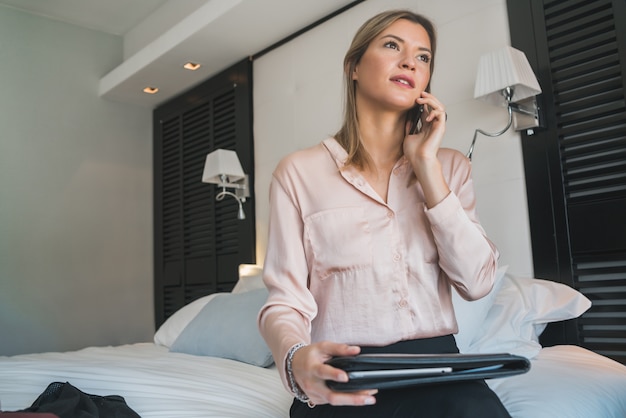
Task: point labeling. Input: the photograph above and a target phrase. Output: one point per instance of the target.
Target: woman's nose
(408, 63)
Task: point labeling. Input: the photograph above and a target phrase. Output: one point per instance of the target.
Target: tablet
(392, 370)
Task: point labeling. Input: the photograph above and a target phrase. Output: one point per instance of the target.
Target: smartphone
(415, 115)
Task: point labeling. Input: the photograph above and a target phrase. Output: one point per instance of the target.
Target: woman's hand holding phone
(426, 142)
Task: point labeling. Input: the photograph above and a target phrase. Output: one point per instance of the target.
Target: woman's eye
(392, 45)
(424, 58)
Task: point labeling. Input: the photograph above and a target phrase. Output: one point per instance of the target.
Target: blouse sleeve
(285, 319)
(466, 255)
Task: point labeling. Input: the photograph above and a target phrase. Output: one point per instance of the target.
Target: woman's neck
(382, 136)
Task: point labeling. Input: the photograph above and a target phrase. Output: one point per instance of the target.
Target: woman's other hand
(311, 372)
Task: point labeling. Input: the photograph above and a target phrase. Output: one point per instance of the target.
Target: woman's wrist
(433, 182)
(291, 380)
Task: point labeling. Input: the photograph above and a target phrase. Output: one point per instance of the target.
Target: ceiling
(162, 35)
(111, 16)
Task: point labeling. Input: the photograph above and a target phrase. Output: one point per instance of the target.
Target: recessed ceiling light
(150, 90)
(191, 66)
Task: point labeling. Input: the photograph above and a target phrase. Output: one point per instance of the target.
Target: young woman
(369, 231)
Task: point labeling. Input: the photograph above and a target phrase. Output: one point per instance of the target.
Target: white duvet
(153, 381)
(564, 382)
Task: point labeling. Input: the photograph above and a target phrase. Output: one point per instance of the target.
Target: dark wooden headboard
(199, 242)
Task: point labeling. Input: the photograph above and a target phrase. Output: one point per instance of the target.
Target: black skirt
(469, 399)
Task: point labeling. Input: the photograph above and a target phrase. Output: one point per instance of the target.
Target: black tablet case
(464, 367)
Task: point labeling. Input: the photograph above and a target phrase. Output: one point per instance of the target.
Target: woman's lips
(403, 80)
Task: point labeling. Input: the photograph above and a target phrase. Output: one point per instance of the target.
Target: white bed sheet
(153, 381)
(564, 382)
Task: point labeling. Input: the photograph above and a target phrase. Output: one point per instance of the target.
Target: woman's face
(395, 68)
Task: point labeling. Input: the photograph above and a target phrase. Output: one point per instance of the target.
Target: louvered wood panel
(193, 292)
(173, 298)
(199, 227)
(580, 49)
(603, 327)
(227, 231)
(172, 236)
(225, 130)
(199, 242)
(591, 114)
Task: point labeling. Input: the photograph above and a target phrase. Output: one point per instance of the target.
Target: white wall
(75, 193)
(298, 96)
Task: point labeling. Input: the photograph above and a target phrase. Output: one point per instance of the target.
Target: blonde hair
(348, 136)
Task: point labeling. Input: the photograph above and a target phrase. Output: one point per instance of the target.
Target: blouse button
(390, 214)
(396, 257)
(403, 303)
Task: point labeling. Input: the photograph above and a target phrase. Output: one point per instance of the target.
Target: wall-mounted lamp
(506, 79)
(222, 167)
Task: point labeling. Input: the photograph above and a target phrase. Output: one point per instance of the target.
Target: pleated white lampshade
(222, 162)
(507, 67)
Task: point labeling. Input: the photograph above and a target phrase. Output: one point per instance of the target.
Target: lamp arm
(224, 193)
(494, 134)
(220, 196)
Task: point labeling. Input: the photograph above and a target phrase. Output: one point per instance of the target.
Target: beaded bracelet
(297, 391)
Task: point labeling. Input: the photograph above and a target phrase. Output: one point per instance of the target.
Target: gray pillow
(226, 327)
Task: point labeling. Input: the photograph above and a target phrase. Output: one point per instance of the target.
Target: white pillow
(471, 314)
(520, 311)
(566, 381)
(175, 324)
(250, 278)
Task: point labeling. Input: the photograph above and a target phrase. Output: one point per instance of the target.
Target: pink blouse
(343, 265)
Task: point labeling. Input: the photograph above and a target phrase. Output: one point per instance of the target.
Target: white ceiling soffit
(217, 35)
(110, 16)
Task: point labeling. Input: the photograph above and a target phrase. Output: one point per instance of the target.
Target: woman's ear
(354, 75)
(351, 70)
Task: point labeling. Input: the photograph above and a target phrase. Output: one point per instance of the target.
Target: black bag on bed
(66, 401)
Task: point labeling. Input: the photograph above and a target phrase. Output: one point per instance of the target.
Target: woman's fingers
(332, 349)
(363, 397)
(312, 372)
(319, 372)
(328, 350)
(320, 393)
(433, 107)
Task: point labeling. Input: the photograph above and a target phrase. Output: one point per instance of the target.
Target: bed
(226, 370)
